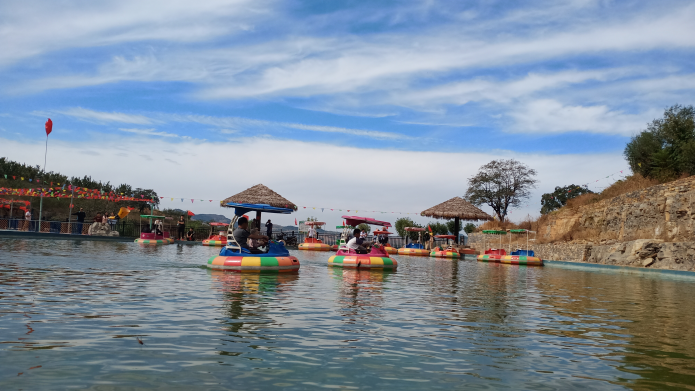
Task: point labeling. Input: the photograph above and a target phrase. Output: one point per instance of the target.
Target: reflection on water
(70, 313)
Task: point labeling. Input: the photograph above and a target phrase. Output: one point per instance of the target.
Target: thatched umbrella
(458, 209)
(260, 194)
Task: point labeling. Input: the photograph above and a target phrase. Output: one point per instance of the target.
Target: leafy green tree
(439, 228)
(470, 227)
(559, 198)
(406, 222)
(450, 226)
(501, 184)
(365, 227)
(666, 149)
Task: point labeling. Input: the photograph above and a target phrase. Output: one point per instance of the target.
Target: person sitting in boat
(242, 235)
(190, 235)
(358, 244)
(383, 239)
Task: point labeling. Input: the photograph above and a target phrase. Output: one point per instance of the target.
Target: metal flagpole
(49, 128)
(70, 209)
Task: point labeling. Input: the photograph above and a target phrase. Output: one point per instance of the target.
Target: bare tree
(501, 184)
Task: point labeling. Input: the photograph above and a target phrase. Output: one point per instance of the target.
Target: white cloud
(148, 132)
(276, 164)
(550, 116)
(222, 122)
(106, 117)
(31, 28)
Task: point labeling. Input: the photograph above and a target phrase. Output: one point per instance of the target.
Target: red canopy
(219, 224)
(445, 236)
(382, 232)
(314, 223)
(356, 220)
(416, 229)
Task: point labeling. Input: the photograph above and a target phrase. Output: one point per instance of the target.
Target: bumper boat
(156, 236)
(415, 249)
(314, 244)
(522, 257)
(492, 255)
(387, 247)
(216, 240)
(449, 252)
(377, 258)
(234, 258)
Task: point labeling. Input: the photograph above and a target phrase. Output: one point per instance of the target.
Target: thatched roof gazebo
(458, 209)
(259, 195)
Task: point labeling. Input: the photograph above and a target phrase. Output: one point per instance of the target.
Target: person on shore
(241, 235)
(27, 220)
(80, 221)
(113, 220)
(268, 228)
(181, 226)
(190, 236)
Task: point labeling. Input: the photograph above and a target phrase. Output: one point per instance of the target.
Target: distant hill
(211, 217)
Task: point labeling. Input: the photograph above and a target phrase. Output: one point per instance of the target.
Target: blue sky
(406, 96)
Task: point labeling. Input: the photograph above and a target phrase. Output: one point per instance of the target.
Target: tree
(450, 225)
(365, 227)
(439, 228)
(666, 149)
(559, 198)
(406, 222)
(501, 184)
(470, 227)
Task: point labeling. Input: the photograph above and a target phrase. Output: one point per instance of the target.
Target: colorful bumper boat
(314, 244)
(449, 252)
(522, 257)
(383, 235)
(233, 257)
(216, 240)
(415, 249)
(377, 258)
(156, 234)
(492, 255)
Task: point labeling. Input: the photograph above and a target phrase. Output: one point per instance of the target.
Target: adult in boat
(242, 235)
(358, 243)
(268, 228)
(190, 236)
(181, 227)
(358, 253)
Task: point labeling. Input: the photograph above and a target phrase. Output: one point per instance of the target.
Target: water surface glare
(71, 313)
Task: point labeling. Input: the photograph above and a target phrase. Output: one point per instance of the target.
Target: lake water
(70, 312)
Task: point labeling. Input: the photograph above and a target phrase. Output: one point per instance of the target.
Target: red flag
(430, 228)
(49, 127)
(191, 213)
(295, 221)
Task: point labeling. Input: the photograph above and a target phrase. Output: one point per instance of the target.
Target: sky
(385, 106)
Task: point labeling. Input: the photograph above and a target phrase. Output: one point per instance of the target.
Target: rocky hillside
(663, 212)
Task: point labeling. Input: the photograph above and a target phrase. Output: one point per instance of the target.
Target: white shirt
(363, 234)
(312, 232)
(352, 244)
(27, 215)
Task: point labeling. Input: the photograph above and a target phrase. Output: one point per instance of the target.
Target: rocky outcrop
(653, 228)
(664, 212)
(99, 229)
